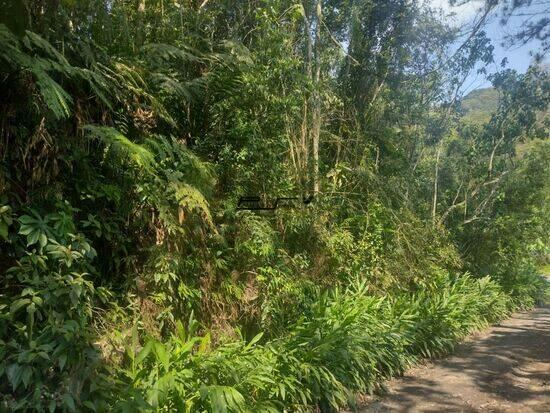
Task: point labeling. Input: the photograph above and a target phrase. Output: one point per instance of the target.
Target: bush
(47, 360)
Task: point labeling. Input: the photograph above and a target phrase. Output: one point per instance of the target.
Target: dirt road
(504, 369)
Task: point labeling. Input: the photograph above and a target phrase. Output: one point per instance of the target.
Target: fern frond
(10, 49)
(234, 53)
(36, 43)
(13, 54)
(192, 199)
(159, 53)
(54, 96)
(178, 163)
(117, 141)
(128, 79)
(98, 84)
(36, 56)
(188, 90)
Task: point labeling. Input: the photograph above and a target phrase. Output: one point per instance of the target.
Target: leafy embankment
(129, 131)
(349, 343)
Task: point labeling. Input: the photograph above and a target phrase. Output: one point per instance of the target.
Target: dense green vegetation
(129, 130)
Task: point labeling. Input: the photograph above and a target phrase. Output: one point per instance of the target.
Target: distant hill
(480, 104)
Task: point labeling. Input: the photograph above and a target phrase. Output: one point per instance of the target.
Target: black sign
(254, 203)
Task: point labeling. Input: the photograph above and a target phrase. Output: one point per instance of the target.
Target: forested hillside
(480, 104)
(129, 130)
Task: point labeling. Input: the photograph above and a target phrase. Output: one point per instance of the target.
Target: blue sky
(519, 57)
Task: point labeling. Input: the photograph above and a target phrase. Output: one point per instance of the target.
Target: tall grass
(349, 344)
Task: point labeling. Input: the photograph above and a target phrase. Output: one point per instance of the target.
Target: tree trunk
(436, 178)
(493, 152)
(305, 132)
(316, 118)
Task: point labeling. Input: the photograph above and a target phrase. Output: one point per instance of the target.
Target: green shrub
(348, 342)
(47, 360)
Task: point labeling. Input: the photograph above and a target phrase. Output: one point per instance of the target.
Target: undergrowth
(130, 130)
(351, 342)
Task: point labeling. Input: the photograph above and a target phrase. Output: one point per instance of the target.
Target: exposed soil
(503, 369)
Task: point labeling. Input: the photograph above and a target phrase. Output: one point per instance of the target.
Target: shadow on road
(506, 369)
